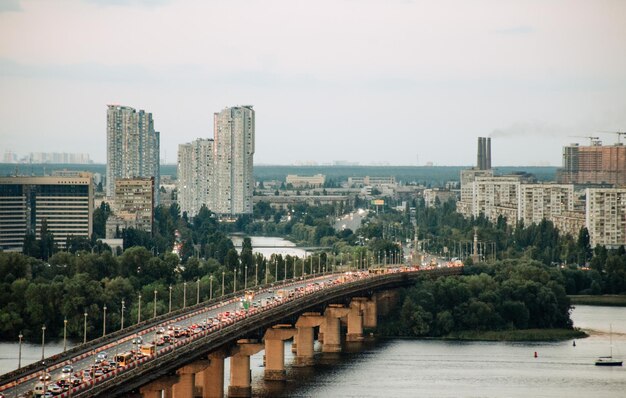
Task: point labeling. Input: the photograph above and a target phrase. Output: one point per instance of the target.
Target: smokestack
(488, 154)
(480, 155)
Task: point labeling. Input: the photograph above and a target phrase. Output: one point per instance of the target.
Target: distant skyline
(395, 82)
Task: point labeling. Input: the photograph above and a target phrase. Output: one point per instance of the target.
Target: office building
(65, 203)
(595, 164)
(132, 147)
(297, 181)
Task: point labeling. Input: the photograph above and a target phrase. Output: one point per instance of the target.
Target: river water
(433, 368)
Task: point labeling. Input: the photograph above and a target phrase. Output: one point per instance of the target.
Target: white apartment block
(218, 172)
(132, 147)
(465, 205)
(373, 181)
(196, 175)
(134, 200)
(539, 201)
(496, 196)
(606, 216)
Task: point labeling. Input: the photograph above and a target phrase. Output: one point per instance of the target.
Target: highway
(85, 361)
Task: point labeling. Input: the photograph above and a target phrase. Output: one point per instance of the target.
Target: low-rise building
(314, 181)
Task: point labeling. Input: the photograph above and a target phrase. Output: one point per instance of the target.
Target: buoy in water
(535, 354)
(574, 344)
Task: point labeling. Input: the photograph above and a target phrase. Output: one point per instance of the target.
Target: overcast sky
(370, 81)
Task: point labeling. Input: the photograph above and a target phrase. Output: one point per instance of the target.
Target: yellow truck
(147, 350)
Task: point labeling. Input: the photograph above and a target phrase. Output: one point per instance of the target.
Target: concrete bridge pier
(370, 315)
(305, 336)
(294, 344)
(211, 380)
(275, 351)
(162, 386)
(332, 327)
(240, 377)
(186, 374)
(386, 301)
(355, 320)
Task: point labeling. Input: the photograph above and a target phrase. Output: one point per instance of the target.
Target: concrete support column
(275, 351)
(240, 368)
(294, 344)
(370, 315)
(213, 376)
(320, 333)
(332, 328)
(154, 389)
(355, 321)
(305, 336)
(186, 374)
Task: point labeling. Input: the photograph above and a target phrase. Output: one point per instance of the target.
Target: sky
(395, 82)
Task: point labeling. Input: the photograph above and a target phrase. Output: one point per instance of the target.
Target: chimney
(488, 154)
(481, 154)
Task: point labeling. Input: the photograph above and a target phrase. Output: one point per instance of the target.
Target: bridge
(219, 329)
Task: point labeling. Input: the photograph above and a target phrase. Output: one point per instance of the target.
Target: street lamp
(64, 334)
(85, 329)
(245, 278)
(43, 341)
(170, 307)
(285, 276)
(256, 273)
(235, 282)
(276, 269)
(104, 321)
(266, 270)
(184, 294)
(211, 288)
(19, 357)
(223, 275)
(198, 291)
(122, 323)
(155, 294)
(139, 310)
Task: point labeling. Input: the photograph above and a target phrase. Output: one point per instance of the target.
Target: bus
(124, 358)
(147, 350)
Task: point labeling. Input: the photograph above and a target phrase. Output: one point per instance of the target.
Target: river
(409, 368)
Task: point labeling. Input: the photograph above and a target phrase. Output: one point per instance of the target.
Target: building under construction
(595, 164)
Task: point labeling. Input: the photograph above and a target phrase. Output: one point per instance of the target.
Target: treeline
(510, 294)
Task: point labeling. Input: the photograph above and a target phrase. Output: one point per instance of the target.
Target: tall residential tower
(218, 172)
(132, 147)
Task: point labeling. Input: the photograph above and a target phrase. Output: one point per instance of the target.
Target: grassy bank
(518, 335)
(615, 300)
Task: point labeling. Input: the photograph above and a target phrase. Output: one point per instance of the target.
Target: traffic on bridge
(81, 375)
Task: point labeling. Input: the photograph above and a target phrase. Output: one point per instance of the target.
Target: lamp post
(170, 306)
(155, 295)
(256, 274)
(275, 269)
(104, 321)
(245, 278)
(235, 282)
(85, 329)
(198, 291)
(43, 341)
(122, 323)
(266, 270)
(223, 276)
(285, 276)
(64, 334)
(139, 310)
(19, 356)
(184, 294)
(211, 288)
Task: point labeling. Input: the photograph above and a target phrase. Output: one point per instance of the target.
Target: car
(67, 369)
(160, 331)
(55, 389)
(138, 340)
(46, 376)
(102, 355)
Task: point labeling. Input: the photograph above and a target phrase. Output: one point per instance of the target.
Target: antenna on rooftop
(593, 141)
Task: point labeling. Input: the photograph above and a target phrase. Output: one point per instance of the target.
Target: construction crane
(593, 141)
(619, 135)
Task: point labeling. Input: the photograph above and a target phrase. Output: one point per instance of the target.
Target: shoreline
(610, 300)
(520, 335)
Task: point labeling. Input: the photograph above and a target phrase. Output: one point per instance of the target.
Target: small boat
(609, 361)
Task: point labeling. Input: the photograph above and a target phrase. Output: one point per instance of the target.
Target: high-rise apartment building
(539, 201)
(132, 147)
(218, 172)
(65, 203)
(606, 216)
(234, 153)
(196, 169)
(593, 164)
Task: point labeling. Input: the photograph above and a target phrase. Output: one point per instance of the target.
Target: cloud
(129, 3)
(515, 30)
(10, 5)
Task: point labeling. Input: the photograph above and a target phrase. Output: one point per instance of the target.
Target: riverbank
(518, 335)
(611, 300)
